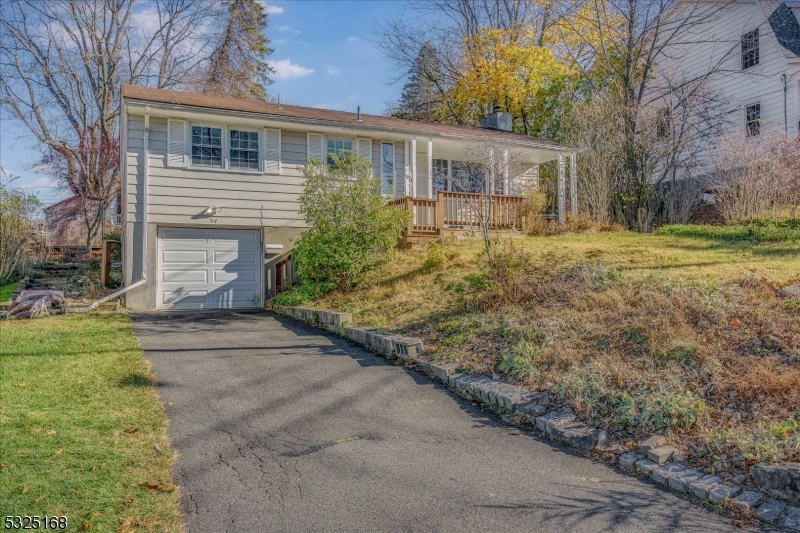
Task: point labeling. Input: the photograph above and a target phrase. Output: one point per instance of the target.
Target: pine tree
(237, 67)
(421, 98)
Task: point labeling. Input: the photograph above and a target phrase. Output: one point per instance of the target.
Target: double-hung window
(440, 175)
(753, 120)
(750, 51)
(338, 147)
(244, 149)
(206, 146)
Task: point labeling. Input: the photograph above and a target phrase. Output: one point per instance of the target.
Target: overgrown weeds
(635, 333)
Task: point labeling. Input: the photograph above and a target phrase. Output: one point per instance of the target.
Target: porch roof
(328, 117)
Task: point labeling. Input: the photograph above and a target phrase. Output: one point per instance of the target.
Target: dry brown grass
(636, 333)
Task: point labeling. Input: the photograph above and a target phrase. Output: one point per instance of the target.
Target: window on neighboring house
(664, 123)
(206, 146)
(753, 119)
(338, 147)
(244, 149)
(750, 55)
(439, 175)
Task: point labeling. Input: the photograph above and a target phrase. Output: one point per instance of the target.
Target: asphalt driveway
(283, 428)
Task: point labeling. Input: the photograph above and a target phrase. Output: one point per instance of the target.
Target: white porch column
(430, 167)
(506, 177)
(562, 193)
(573, 183)
(491, 177)
(413, 167)
(406, 173)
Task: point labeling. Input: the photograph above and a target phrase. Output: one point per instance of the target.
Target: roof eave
(532, 143)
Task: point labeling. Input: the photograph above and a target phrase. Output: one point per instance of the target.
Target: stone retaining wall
(562, 425)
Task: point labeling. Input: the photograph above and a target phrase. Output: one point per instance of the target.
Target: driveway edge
(528, 410)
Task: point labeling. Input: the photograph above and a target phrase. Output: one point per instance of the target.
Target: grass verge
(742, 232)
(7, 290)
(82, 430)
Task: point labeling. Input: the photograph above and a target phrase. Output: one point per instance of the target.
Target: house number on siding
(212, 220)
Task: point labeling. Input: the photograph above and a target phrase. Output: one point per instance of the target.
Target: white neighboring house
(211, 185)
(752, 48)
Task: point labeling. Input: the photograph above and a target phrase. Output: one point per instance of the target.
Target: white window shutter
(176, 143)
(272, 151)
(364, 147)
(315, 146)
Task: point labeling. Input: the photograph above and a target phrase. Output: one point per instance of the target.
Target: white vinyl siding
(737, 88)
(180, 196)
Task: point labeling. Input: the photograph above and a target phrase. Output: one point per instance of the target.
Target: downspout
(785, 113)
(143, 279)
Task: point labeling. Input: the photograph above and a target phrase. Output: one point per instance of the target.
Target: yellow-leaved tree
(508, 69)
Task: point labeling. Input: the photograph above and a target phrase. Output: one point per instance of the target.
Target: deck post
(413, 167)
(573, 183)
(440, 213)
(562, 193)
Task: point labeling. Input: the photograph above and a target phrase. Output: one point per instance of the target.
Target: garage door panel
(240, 276)
(232, 257)
(184, 297)
(243, 239)
(229, 298)
(191, 235)
(189, 257)
(184, 276)
(209, 269)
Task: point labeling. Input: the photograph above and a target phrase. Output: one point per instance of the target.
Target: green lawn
(7, 290)
(82, 430)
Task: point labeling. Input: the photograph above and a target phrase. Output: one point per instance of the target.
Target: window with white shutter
(176, 143)
(272, 151)
(315, 146)
(364, 147)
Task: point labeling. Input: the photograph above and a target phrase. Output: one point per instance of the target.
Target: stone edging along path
(653, 461)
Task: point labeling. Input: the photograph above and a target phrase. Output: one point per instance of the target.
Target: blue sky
(324, 57)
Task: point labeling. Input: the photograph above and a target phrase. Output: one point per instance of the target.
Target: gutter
(556, 147)
(143, 280)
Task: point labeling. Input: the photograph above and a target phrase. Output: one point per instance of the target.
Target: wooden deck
(458, 210)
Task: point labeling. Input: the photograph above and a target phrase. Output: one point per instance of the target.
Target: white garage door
(208, 268)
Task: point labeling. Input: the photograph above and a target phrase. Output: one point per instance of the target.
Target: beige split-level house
(211, 185)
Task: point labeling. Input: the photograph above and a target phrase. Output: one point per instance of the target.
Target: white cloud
(45, 182)
(270, 9)
(285, 69)
(288, 29)
(332, 70)
(341, 104)
(352, 39)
